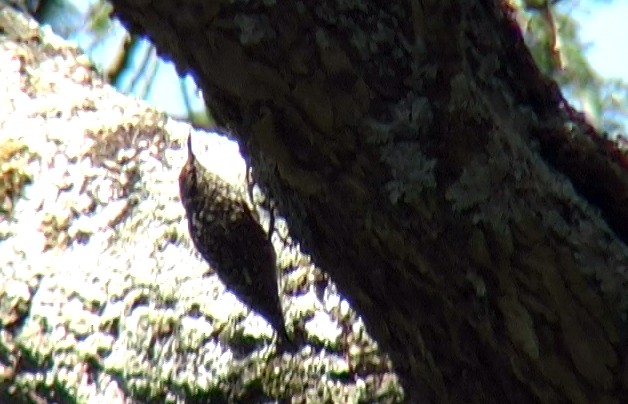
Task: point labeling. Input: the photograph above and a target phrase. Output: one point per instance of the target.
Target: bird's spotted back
(228, 236)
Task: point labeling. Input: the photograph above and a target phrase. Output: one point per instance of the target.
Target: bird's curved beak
(190, 153)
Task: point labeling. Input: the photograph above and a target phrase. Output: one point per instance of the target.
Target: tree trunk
(472, 218)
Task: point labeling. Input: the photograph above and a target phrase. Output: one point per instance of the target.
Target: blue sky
(605, 28)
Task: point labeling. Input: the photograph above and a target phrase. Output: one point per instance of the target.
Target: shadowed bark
(470, 215)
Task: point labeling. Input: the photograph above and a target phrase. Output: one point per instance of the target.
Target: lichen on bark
(495, 180)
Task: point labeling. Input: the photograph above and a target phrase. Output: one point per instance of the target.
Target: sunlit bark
(472, 218)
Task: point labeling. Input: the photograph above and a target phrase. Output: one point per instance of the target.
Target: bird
(228, 236)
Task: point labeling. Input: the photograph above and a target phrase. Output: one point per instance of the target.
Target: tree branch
(401, 142)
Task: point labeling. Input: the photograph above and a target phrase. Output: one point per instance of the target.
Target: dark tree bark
(470, 215)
